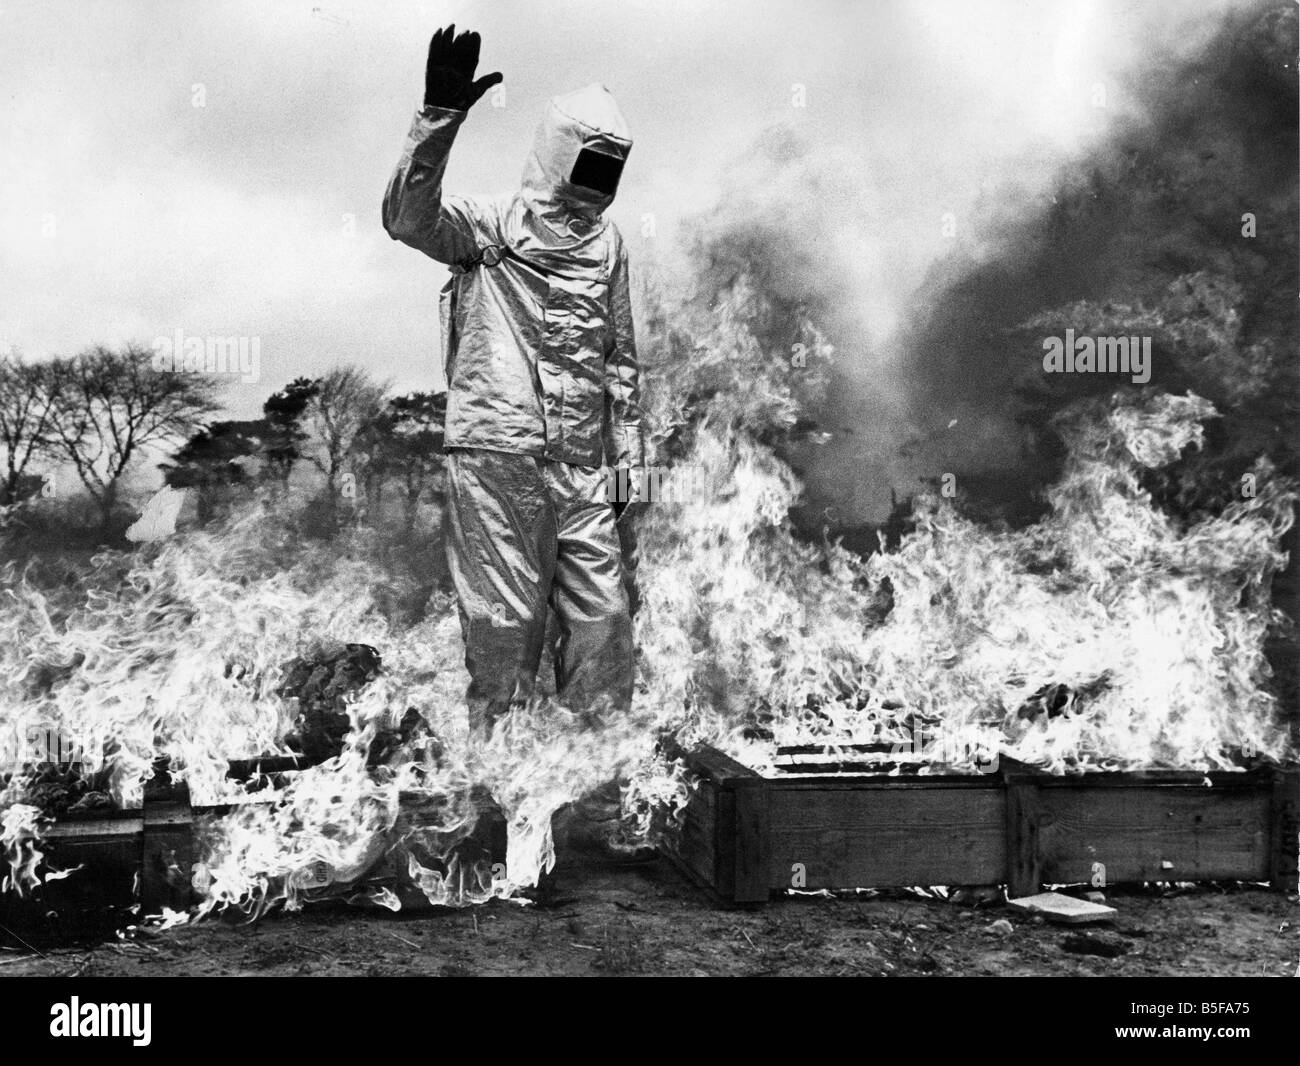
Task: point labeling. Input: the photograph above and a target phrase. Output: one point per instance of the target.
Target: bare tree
(27, 393)
(347, 399)
(111, 405)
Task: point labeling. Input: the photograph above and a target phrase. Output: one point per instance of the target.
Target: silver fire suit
(541, 372)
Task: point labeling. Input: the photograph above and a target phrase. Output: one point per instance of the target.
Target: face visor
(598, 171)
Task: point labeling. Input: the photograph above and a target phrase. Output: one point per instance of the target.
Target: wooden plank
(724, 844)
(1153, 833)
(1284, 830)
(694, 842)
(692, 845)
(125, 824)
(167, 852)
(243, 769)
(1250, 781)
(1066, 910)
(715, 765)
(752, 841)
(874, 838)
(1024, 876)
(1243, 782)
(879, 747)
(884, 783)
(848, 767)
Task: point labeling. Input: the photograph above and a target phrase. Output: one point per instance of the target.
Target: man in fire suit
(542, 388)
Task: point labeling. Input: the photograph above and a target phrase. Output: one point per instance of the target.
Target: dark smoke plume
(1143, 236)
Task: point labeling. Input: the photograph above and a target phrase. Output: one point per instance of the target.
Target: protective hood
(572, 174)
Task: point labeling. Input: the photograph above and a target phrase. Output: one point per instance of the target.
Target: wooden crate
(745, 836)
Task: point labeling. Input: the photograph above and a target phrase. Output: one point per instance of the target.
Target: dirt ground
(647, 920)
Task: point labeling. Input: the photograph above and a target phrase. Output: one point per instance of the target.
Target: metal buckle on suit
(489, 256)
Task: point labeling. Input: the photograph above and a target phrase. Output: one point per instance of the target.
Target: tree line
(98, 413)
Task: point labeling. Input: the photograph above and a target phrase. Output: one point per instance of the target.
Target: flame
(1149, 632)
(20, 830)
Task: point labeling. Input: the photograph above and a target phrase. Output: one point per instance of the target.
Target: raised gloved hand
(449, 76)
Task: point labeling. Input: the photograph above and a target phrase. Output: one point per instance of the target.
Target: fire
(179, 652)
(1105, 636)
(21, 825)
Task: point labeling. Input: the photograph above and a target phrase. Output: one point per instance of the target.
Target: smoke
(1141, 234)
(798, 224)
(1162, 199)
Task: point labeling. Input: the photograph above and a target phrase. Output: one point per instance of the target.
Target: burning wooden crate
(745, 836)
(118, 858)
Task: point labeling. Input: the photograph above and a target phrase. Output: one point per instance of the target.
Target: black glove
(449, 76)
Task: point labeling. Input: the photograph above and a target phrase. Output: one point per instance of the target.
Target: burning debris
(1108, 635)
(1055, 698)
(62, 789)
(322, 682)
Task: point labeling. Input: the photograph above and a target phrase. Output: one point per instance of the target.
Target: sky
(218, 167)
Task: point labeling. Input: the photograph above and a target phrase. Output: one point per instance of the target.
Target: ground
(604, 919)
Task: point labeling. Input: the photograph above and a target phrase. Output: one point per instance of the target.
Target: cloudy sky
(218, 167)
